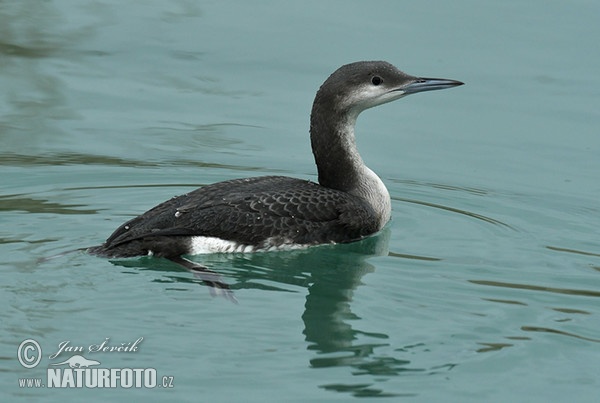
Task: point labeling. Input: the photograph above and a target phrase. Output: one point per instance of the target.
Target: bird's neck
(339, 164)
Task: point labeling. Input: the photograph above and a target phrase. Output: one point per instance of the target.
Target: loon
(349, 202)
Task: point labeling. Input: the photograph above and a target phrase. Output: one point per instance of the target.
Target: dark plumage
(274, 209)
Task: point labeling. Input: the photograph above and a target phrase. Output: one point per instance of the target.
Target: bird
(266, 213)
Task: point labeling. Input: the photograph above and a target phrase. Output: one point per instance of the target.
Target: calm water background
(484, 287)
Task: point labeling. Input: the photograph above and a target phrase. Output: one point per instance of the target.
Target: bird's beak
(428, 84)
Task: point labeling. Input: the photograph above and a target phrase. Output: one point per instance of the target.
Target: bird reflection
(331, 274)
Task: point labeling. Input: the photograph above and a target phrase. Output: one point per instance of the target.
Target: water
(484, 287)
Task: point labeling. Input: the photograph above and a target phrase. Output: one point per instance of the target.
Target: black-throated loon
(264, 213)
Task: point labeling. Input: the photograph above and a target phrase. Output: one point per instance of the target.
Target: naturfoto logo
(78, 371)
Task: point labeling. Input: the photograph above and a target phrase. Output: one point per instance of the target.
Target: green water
(485, 286)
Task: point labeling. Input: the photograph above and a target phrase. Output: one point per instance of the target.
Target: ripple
(572, 311)
(20, 202)
(456, 210)
(575, 251)
(555, 331)
(413, 257)
(505, 301)
(472, 190)
(569, 291)
(492, 347)
(363, 390)
(69, 158)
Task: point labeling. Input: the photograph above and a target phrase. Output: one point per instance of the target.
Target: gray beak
(429, 84)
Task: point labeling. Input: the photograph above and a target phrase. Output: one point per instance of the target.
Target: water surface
(484, 286)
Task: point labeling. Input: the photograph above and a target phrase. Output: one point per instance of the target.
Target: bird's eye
(376, 80)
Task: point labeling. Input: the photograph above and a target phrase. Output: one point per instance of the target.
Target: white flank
(205, 244)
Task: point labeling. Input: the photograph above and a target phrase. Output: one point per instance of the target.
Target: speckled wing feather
(253, 211)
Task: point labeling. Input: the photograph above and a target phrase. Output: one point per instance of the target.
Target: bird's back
(256, 213)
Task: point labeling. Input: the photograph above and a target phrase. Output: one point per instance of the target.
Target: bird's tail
(61, 254)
